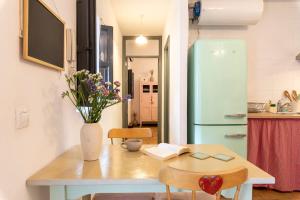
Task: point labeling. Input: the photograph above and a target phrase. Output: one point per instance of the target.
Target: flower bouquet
(90, 94)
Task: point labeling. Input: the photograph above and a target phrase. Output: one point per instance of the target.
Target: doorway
(166, 90)
(142, 81)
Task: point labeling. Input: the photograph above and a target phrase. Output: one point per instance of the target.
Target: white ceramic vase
(91, 141)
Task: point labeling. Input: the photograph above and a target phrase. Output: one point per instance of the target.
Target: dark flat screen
(45, 35)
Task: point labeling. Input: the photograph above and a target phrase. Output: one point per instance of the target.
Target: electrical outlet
(22, 117)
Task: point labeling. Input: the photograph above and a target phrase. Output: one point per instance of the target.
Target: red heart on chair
(210, 184)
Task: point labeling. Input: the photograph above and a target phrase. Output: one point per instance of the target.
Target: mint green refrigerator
(217, 94)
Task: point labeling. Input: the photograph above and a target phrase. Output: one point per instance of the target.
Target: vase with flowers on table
(90, 94)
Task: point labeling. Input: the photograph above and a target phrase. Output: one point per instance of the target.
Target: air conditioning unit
(228, 12)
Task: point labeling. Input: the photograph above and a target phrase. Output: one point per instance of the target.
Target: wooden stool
(200, 181)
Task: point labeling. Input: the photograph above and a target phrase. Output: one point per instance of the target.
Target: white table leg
(57, 193)
(245, 193)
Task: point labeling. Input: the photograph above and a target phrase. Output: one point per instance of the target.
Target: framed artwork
(43, 35)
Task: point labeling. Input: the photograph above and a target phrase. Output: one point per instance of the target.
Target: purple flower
(91, 85)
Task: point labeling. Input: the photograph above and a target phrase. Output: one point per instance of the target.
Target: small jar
(273, 108)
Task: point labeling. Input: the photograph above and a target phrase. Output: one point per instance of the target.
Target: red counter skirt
(274, 146)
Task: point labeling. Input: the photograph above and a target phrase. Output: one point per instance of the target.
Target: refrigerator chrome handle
(235, 135)
(236, 115)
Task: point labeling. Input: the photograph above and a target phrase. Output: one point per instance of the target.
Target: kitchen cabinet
(148, 102)
(273, 145)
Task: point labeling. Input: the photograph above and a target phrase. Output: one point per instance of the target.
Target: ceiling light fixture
(141, 40)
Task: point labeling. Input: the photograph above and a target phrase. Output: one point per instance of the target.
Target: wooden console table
(120, 171)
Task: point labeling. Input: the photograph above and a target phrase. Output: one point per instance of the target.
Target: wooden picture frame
(26, 55)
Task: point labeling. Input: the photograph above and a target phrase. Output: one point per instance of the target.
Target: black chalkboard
(45, 35)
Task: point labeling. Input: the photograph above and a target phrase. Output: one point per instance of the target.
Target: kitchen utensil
(256, 107)
(294, 105)
(287, 95)
(294, 95)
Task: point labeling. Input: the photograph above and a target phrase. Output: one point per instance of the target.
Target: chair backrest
(127, 133)
(191, 180)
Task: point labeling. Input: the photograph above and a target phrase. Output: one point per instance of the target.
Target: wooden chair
(127, 133)
(190, 180)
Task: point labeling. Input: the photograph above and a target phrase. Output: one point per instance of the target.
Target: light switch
(22, 117)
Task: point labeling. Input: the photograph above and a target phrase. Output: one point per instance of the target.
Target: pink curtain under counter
(274, 146)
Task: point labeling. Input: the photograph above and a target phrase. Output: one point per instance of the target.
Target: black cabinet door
(86, 34)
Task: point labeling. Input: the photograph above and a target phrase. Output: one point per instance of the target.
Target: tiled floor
(265, 194)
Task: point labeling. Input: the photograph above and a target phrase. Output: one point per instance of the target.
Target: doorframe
(125, 82)
(166, 102)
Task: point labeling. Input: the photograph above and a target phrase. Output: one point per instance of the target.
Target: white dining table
(120, 171)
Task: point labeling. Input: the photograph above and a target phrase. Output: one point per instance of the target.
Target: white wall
(54, 124)
(149, 49)
(272, 46)
(177, 28)
(112, 117)
(141, 68)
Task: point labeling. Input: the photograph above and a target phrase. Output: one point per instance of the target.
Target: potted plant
(90, 94)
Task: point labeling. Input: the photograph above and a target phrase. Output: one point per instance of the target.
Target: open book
(165, 151)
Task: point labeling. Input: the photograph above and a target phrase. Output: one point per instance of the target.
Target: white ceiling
(128, 14)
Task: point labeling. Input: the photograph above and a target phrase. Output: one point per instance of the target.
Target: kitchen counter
(267, 115)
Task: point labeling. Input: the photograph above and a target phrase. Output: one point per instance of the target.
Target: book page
(174, 148)
(160, 152)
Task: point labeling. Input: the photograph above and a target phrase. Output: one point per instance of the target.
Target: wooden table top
(268, 115)
(118, 166)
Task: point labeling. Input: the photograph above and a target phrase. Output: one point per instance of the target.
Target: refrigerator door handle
(235, 135)
(236, 115)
